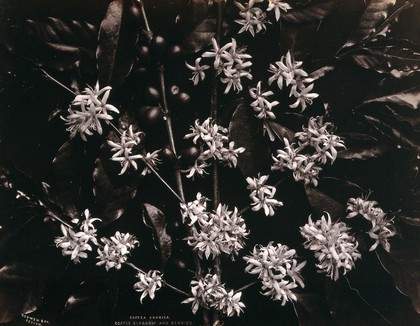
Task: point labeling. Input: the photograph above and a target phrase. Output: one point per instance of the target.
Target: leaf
(155, 219)
(403, 263)
(321, 203)
(362, 146)
(409, 98)
(21, 289)
(56, 43)
(280, 131)
(311, 309)
(310, 13)
(375, 13)
(116, 45)
(245, 131)
(401, 136)
(67, 173)
(397, 59)
(320, 72)
(113, 193)
(201, 35)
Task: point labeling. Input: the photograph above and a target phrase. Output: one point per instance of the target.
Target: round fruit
(135, 14)
(143, 53)
(174, 89)
(168, 155)
(158, 47)
(180, 264)
(139, 71)
(175, 53)
(149, 115)
(182, 99)
(189, 156)
(152, 94)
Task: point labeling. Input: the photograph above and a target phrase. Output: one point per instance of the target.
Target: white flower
(303, 96)
(332, 244)
(220, 55)
(116, 249)
(277, 5)
(195, 211)
(124, 149)
(277, 269)
(198, 71)
(262, 195)
(97, 97)
(85, 120)
(253, 18)
(230, 154)
(208, 292)
(261, 104)
(288, 70)
(152, 159)
(73, 244)
(221, 231)
(382, 227)
(148, 284)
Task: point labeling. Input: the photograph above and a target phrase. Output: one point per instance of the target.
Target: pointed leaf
(113, 193)
(310, 13)
(280, 131)
(116, 45)
(409, 98)
(400, 59)
(375, 13)
(403, 263)
(320, 202)
(320, 72)
(21, 289)
(67, 167)
(246, 131)
(155, 219)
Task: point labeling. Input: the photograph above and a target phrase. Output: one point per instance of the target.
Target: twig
(246, 286)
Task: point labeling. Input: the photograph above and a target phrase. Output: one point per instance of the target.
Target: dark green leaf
(55, 43)
(311, 309)
(403, 264)
(280, 131)
(320, 72)
(375, 13)
(155, 219)
(398, 134)
(360, 146)
(21, 289)
(310, 13)
(201, 36)
(321, 202)
(398, 60)
(113, 192)
(116, 45)
(67, 167)
(409, 98)
(246, 131)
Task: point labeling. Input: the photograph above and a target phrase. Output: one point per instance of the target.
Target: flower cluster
(262, 195)
(229, 62)
(278, 270)
(124, 152)
(253, 19)
(382, 227)
(288, 71)
(115, 250)
(214, 233)
(87, 111)
(332, 244)
(215, 146)
(148, 284)
(208, 292)
(317, 145)
(75, 244)
(261, 105)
